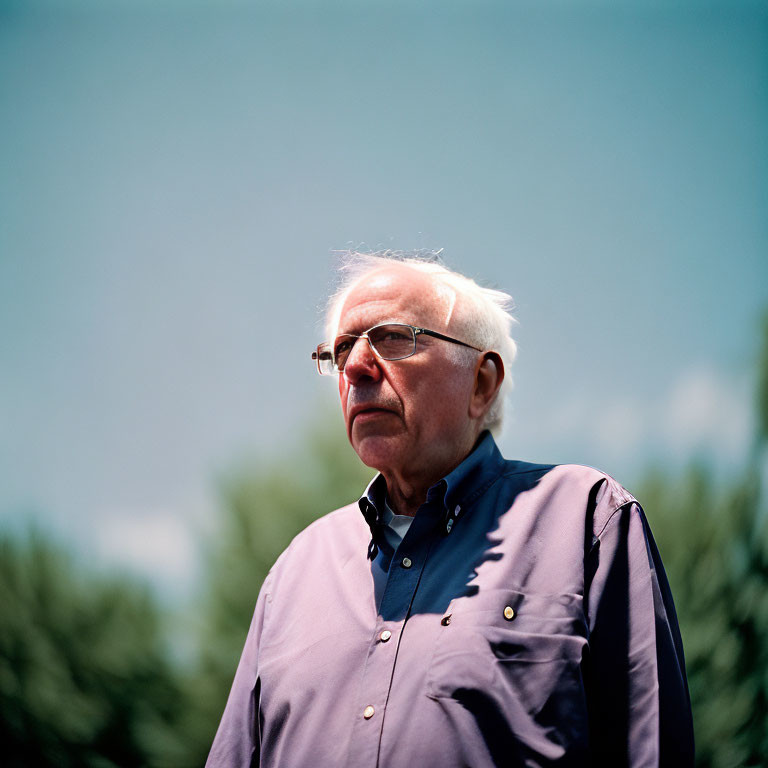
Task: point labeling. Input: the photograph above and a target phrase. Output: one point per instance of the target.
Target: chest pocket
(519, 649)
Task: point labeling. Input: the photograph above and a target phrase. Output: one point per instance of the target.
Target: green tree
(714, 542)
(84, 673)
(714, 549)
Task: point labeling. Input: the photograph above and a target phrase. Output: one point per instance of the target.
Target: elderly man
(467, 610)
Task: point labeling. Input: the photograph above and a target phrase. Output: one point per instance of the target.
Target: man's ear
(489, 373)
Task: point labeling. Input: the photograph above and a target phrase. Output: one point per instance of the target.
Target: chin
(377, 451)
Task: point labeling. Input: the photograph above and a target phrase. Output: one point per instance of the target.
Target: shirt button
(385, 635)
(509, 613)
(368, 712)
(407, 563)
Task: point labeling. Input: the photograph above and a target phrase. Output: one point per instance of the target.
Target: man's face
(408, 417)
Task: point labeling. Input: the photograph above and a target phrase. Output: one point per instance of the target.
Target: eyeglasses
(389, 341)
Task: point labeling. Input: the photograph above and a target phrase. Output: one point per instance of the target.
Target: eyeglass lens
(391, 342)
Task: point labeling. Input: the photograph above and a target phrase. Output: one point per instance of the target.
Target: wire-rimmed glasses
(388, 341)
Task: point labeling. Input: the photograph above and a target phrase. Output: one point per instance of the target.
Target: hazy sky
(174, 180)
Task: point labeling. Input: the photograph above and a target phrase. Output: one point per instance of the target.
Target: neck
(407, 493)
(405, 499)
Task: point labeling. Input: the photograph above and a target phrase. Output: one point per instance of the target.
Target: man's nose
(361, 362)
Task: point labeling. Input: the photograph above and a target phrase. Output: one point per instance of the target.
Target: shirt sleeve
(237, 741)
(637, 693)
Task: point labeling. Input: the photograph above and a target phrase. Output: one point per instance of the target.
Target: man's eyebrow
(352, 330)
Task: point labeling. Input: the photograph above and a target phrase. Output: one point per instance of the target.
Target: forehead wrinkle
(361, 317)
(437, 303)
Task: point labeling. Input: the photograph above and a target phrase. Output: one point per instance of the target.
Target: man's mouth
(371, 412)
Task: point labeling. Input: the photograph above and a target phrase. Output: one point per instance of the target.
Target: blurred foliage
(714, 544)
(86, 680)
(87, 676)
(84, 675)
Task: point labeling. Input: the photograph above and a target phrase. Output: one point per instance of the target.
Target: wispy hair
(484, 315)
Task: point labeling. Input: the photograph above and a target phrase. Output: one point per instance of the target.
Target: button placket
(401, 585)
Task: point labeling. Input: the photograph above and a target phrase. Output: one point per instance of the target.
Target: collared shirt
(524, 619)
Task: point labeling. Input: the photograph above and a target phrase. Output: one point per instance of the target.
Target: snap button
(407, 563)
(509, 613)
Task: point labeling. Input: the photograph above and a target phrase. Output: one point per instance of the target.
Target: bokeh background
(176, 181)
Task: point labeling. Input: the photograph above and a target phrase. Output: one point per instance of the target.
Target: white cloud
(704, 412)
(156, 543)
(708, 411)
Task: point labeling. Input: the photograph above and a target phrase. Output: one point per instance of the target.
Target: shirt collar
(372, 501)
(456, 491)
(472, 478)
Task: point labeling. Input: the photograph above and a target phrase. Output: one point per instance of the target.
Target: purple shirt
(524, 619)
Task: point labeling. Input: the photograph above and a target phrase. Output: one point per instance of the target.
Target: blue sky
(175, 179)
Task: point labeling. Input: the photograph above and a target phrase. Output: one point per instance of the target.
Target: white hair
(484, 314)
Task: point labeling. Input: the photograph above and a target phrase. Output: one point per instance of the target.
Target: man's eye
(342, 347)
(391, 333)
(395, 336)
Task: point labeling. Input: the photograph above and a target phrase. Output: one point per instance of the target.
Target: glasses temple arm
(446, 338)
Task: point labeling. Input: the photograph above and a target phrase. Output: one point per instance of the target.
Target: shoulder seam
(627, 502)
